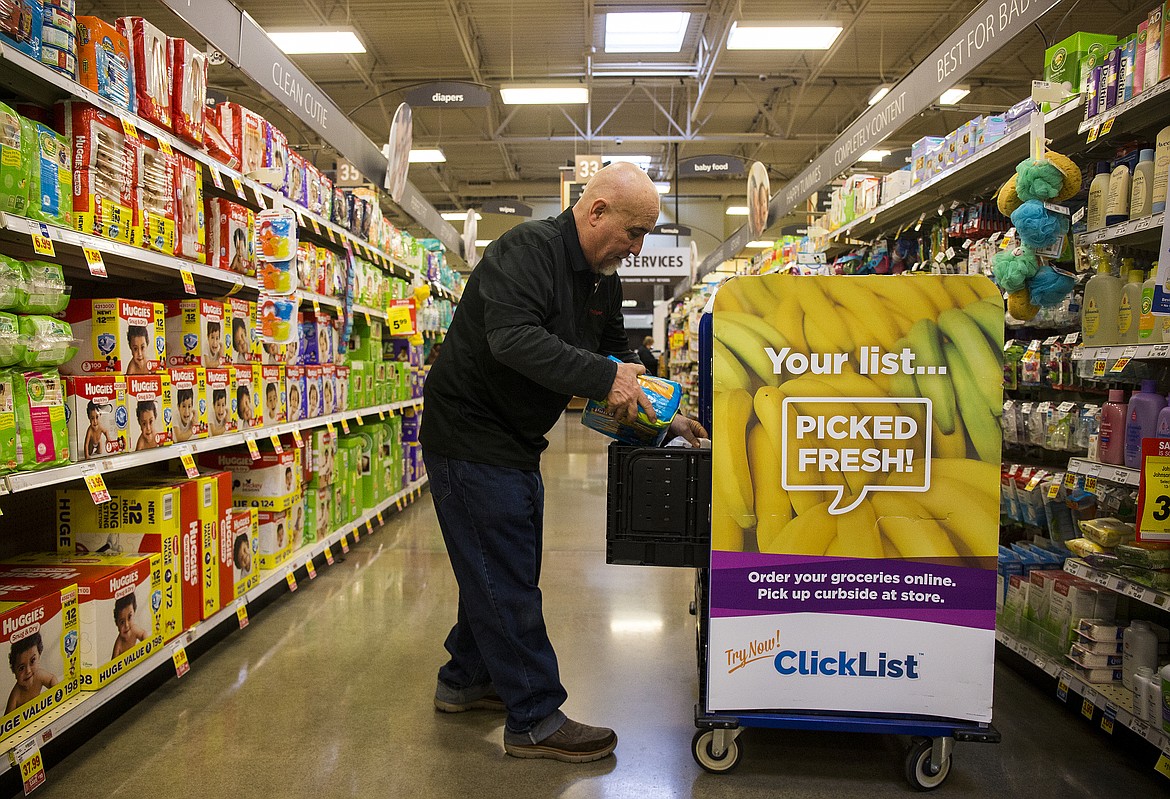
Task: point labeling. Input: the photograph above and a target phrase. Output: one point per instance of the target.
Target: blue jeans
(492, 518)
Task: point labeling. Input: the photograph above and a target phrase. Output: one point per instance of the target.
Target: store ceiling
(778, 107)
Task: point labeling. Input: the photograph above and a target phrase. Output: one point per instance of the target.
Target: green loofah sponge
(1038, 180)
(1012, 268)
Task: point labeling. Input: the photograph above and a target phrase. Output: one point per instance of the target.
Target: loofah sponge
(1049, 286)
(1020, 307)
(1007, 200)
(1071, 173)
(1038, 180)
(1037, 226)
(1014, 267)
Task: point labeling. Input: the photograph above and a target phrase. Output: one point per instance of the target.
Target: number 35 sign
(1154, 495)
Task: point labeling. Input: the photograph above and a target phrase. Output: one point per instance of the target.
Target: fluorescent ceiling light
(785, 37)
(874, 155)
(650, 32)
(878, 94)
(737, 210)
(544, 95)
(426, 156)
(952, 96)
(759, 245)
(483, 242)
(642, 161)
(662, 186)
(317, 42)
(458, 216)
(629, 303)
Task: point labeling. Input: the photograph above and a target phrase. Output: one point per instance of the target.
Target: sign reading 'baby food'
(855, 494)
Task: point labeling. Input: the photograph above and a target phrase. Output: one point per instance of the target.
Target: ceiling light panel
(317, 42)
(646, 32)
(544, 95)
(782, 37)
(425, 156)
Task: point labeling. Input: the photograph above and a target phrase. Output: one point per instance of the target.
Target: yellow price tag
(32, 767)
(398, 504)
(345, 543)
(360, 421)
(97, 488)
(1070, 481)
(129, 129)
(311, 568)
(188, 281)
(1119, 365)
(253, 450)
(1094, 132)
(317, 228)
(275, 439)
(1162, 766)
(242, 614)
(93, 257)
(398, 320)
(291, 579)
(182, 665)
(1091, 485)
(165, 147)
(345, 426)
(369, 528)
(328, 555)
(42, 241)
(189, 465)
(382, 415)
(1107, 127)
(366, 314)
(330, 428)
(1087, 708)
(216, 178)
(357, 536)
(380, 521)
(1107, 722)
(1053, 490)
(300, 442)
(239, 187)
(1099, 367)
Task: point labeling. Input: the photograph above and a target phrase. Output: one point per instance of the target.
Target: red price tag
(253, 450)
(93, 257)
(188, 281)
(182, 666)
(380, 521)
(300, 442)
(311, 568)
(345, 426)
(242, 614)
(276, 447)
(357, 536)
(97, 488)
(345, 543)
(189, 465)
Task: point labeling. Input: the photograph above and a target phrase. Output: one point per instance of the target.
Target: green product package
(1072, 59)
(366, 459)
(376, 493)
(47, 341)
(12, 277)
(12, 343)
(352, 476)
(356, 383)
(42, 436)
(7, 422)
(340, 487)
(43, 289)
(47, 201)
(13, 163)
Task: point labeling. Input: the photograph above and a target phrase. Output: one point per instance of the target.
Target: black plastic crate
(659, 506)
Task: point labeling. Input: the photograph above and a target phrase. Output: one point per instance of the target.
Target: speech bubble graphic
(838, 443)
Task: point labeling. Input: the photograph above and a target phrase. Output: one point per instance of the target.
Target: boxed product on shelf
(41, 432)
(117, 335)
(318, 513)
(22, 24)
(294, 390)
(189, 90)
(341, 393)
(295, 516)
(313, 403)
(222, 408)
(244, 131)
(328, 389)
(1066, 61)
(296, 180)
(188, 403)
(150, 68)
(273, 378)
(243, 561)
(317, 338)
(214, 491)
(191, 239)
(217, 146)
(97, 415)
(195, 333)
(276, 155)
(275, 544)
(244, 345)
(40, 630)
(248, 392)
(103, 61)
(271, 483)
(322, 457)
(149, 411)
(118, 618)
(50, 183)
(231, 245)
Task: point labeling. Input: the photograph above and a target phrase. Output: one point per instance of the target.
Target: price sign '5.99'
(1154, 494)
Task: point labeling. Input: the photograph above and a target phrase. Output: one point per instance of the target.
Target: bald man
(538, 317)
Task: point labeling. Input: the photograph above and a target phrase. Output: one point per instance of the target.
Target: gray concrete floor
(328, 693)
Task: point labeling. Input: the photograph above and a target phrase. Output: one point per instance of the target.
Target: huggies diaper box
(97, 415)
(240, 553)
(214, 492)
(294, 384)
(271, 483)
(248, 390)
(195, 331)
(40, 631)
(118, 336)
(273, 378)
(188, 403)
(118, 607)
(275, 542)
(148, 411)
(239, 320)
(222, 408)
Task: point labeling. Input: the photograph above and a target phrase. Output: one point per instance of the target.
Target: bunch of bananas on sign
(775, 339)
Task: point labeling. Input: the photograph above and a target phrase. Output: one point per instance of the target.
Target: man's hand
(626, 393)
(688, 428)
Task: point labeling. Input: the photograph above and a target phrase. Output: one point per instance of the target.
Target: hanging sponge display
(1014, 267)
(1049, 286)
(1006, 198)
(1071, 173)
(1020, 307)
(1037, 226)
(1038, 180)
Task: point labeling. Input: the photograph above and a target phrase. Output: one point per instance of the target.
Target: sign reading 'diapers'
(448, 94)
(988, 28)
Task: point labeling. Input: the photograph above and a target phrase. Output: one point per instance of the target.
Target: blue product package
(22, 26)
(665, 397)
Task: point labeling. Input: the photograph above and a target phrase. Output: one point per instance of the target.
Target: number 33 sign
(1154, 495)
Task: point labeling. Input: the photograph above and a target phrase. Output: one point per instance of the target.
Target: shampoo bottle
(1161, 166)
(1141, 421)
(1098, 195)
(1148, 324)
(1102, 300)
(1111, 438)
(1163, 428)
(1129, 307)
(1117, 200)
(1141, 192)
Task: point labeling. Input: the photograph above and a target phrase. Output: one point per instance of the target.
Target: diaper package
(244, 540)
(50, 183)
(20, 25)
(296, 183)
(231, 236)
(243, 345)
(294, 385)
(221, 402)
(313, 404)
(42, 435)
(103, 61)
(149, 411)
(117, 335)
(275, 543)
(151, 67)
(59, 37)
(274, 394)
(15, 152)
(195, 333)
(154, 196)
(96, 413)
(665, 397)
(271, 483)
(243, 129)
(328, 389)
(188, 403)
(275, 156)
(190, 220)
(104, 171)
(188, 90)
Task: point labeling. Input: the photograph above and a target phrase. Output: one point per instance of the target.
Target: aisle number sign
(855, 502)
(1154, 491)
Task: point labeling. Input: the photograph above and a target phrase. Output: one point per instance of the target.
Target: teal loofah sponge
(1049, 286)
(1038, 180)
(1013, 267)
(1038, 227)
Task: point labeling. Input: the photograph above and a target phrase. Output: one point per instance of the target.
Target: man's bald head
(618, 207)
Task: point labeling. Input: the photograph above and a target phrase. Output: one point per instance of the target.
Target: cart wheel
(701, 748)
(918, 767)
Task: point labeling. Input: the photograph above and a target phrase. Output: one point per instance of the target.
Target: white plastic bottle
(1102, 300)
(1154, 698)
(1161, 165)
(1129, 308)
(1165, 675)
(1141, 191)
(1139, 648)
(1117, 202)
(1098, 196)
(1142, 686)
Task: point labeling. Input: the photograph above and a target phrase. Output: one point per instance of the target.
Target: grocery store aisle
(328, 693)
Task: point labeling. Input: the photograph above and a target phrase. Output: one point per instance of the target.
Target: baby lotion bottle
(1098, 196)
(1162, 430)
(1161, 166)
(1129, 308)
(1102, 301)
(1141, 192)
(1111, 438)
(1117, 199)
(1141, 421)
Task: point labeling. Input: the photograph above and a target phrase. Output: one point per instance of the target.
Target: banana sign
(855, 494)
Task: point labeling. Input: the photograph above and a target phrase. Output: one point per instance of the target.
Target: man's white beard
(606, 271)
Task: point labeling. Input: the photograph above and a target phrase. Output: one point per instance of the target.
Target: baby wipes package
(46, 341)
(7, 421)
(117, 335)
(149, 411)
(42, 435)
(50, 183)
(96, 413)
(665, 397)
(42, 288)
(13, 163)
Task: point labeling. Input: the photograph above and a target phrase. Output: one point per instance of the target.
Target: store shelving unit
(1115, 582)
(1147, 230)
(84, 705)
(1104, 471)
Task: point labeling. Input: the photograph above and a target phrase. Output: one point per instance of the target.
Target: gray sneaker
(450, 700)
(574, 742)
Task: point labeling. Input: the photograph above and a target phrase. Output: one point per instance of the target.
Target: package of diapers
(13, 163)
(42, 289)
(47, 341)
(42, 434)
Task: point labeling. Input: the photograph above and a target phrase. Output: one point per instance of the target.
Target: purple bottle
(1111, 440)
(1141, 421)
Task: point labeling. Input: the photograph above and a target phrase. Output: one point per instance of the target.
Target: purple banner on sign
(888, 588)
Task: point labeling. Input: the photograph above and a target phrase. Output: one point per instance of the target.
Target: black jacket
(532, 330)
(646, 356)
